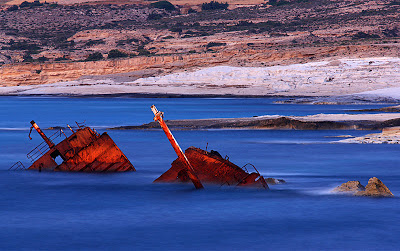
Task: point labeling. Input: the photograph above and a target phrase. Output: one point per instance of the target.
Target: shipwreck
(83, 151)
(199, 166)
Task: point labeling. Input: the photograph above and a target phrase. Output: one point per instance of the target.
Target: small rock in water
(351, 187)
(375, 188)
(272, 181)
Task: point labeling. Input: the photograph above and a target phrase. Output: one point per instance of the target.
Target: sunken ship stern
(84, 151)
(211, 168)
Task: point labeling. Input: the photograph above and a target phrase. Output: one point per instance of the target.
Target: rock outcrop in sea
(273, 181)
(350, 187)
(374, 188)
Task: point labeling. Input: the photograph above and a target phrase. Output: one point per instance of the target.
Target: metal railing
(17, 166)
(42, 148)
(81, 124)
(244, 168)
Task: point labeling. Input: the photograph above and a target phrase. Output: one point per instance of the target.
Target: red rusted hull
(211, 168)
(84, 151)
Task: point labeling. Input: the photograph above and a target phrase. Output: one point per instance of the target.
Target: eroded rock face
(351, 187)
(375, 188)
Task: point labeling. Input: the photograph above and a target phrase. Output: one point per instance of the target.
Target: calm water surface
(74, 211)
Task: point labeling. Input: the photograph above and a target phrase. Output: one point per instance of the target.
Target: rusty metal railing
(81, 124)
(95, 132)
(17, 166)
(43, 147)
(244, 168)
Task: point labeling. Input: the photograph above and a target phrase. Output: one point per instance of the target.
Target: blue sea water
(126, 211)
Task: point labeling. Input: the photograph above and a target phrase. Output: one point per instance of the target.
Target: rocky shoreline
(313, 122)
(395, 108)
(390, 135)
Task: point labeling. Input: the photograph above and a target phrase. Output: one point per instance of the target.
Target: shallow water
(126, 211)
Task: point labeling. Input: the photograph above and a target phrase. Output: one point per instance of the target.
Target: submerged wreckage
(211, 168)
(84, 151)
(87, 151)
(199, 166)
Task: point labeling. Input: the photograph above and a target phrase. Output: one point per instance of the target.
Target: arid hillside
(144, 2)
(39, 41)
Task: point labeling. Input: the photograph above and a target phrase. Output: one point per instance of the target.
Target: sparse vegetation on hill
(163, 5)
(214, 5)
(21, 45)
(391, 32)
(27, 58)
(214, 44)
(363, 35)
(154, 16)
(40, 27)
(94, 42)
(94, 56)
(142, 51)
(42, 59)
(61, 58)
(33, 4)
(12, 8)
(116, 54)
(278, 3)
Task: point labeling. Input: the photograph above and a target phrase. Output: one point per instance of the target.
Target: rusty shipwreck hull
(83, 151)
(199, 166)
(211, 168)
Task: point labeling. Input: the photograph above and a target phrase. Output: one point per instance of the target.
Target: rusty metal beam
(70, 129)
(158, 116)
(41, 133)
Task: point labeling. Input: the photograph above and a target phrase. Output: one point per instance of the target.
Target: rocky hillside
(35, 37)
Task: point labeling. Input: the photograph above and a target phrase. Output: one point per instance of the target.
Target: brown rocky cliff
(45, 73)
